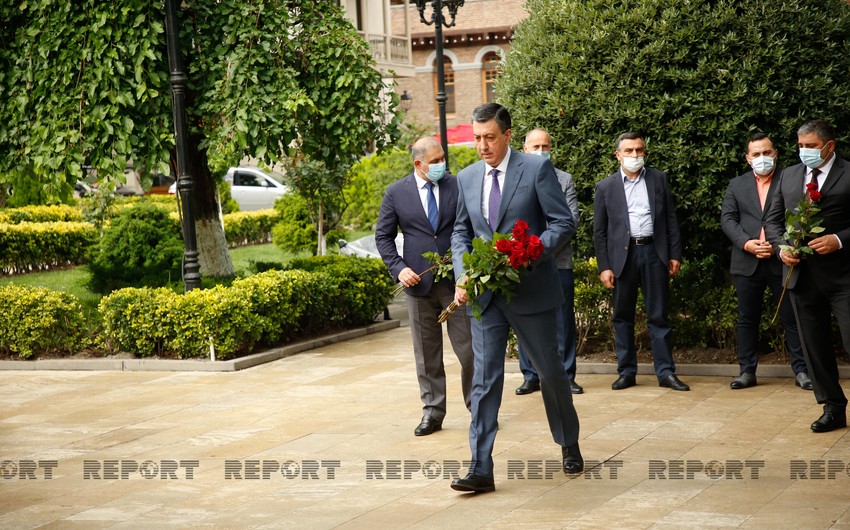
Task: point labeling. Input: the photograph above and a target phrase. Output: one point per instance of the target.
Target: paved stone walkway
(324, 439)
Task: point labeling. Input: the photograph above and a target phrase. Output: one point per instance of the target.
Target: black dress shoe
(576, 388)
(802, 380)
(745, 380)
(830, 420)
(624, 381)
(671, 381)
(527, 387)
(474, 483)
(429, 425)
(572, 460)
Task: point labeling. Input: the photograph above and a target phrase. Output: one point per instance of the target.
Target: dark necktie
(495, 199)
(432, 206)
(815, 173)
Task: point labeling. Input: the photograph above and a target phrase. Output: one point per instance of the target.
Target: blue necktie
(432, 206)
(495, 200)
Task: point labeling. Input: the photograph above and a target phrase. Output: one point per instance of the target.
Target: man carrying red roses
(493, 194)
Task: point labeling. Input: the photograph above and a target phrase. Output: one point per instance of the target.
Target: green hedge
(40, 214)
(332, 293)
(38, 320)
(26, 247)
(249, 228)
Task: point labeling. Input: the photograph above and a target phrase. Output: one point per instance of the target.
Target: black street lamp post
(191, 266)
(438, 20)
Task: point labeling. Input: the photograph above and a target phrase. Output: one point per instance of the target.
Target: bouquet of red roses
(801, 223)
(495, 265)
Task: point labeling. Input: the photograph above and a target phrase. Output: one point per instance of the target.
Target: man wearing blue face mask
(538, 142)
(755, 266)
(423, 205)
(820, 283)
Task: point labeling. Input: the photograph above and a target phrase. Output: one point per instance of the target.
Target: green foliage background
(694, 77)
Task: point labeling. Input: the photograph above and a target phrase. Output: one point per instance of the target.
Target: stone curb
(197, 365)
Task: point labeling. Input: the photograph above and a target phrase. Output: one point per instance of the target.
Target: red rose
(535, 248)
(504, 246)
(520, 228)
(517, 261)
(814, 195)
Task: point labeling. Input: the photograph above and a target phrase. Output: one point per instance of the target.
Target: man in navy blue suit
(638, 246)
(423, 205)
(506, 186)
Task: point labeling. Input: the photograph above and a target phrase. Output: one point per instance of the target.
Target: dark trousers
(750, 291)
(814, 298)
(565, 329)
(644, 270)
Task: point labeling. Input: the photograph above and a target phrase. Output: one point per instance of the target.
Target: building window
(449, 77)
(489, 73)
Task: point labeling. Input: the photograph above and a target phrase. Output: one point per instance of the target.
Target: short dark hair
(755, 137)
(492, 111)
(822, 128)
(630, 135)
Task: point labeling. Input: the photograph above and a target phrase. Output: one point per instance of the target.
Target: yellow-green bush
(40, 214)
(38, 320)
(249, 228)
(28, 246)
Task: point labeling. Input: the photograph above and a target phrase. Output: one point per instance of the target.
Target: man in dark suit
(638, 245)
(506, 186)
(423, 204)
(755, 266)
(820, 283)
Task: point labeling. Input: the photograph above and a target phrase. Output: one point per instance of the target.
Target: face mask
(762, 165)
(544, 154)
(436, 171)
(632, 164)
(811, 157)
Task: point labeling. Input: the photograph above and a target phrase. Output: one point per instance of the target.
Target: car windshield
(277, 176)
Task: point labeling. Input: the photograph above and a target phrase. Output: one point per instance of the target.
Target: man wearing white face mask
(423, 204)
(755, 266)
(820, 283)
(538, 142)
(638, 246)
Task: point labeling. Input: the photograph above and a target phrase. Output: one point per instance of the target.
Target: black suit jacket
(402, 208)
(742, 218)
(833, 269)
(611, 221)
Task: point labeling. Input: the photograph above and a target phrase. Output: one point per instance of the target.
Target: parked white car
(251, 188)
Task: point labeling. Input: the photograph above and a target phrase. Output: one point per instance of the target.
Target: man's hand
(788, 258)
(824, 244)
(460, 295)
(607, 277)
(407, 277)
(760, 249)
(674, 267)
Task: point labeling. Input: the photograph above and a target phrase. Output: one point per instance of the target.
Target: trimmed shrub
(38, 320)
(26, 247)
(136, 320)
(249, 228)
(140, 247)
(40, 214)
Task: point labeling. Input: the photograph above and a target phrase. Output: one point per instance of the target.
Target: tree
(695, 78)
(85, 82)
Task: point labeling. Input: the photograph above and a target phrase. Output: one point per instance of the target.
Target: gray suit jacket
(402, 207)
(834, 207)
(530, 193)
(611, 221)
(564, 255)
(742, 218)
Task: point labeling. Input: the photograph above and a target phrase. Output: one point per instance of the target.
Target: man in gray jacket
(538, 142)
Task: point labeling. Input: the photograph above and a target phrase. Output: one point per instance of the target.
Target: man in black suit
(637, 242)
(423, 204)
(755, 265)
(820, 283)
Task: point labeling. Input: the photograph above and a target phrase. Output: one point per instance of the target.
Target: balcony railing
(387, 49)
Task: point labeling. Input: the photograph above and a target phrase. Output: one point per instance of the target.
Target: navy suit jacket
(834, 268)
(742, 218)
(611, 221)
(402, 208)
(531, 193)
